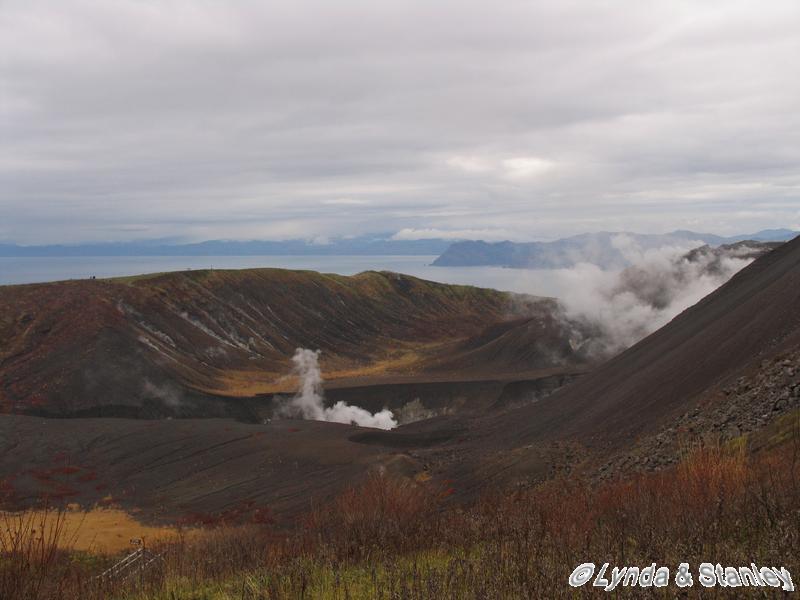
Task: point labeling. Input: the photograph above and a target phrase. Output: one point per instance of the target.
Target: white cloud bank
(488, 235)
(619, 308)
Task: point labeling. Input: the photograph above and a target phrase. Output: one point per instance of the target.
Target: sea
(16, 270)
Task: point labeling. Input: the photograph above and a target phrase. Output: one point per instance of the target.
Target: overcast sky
(194, 119)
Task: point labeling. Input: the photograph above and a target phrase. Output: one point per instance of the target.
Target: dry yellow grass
(100, 531)
(399, 361)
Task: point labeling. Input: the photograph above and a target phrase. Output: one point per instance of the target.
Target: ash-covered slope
(179, 468)
(540, 342)
(715, 357)
(741, 326)
(728, 365)
(193, 343)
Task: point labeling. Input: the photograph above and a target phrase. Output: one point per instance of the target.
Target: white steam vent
(308, 402)
(625, 306)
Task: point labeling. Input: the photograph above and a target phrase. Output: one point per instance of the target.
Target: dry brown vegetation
(392, 538)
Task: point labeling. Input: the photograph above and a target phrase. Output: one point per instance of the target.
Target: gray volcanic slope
(634, 411)
(173, 469)
(617, 410)
(170, 468)
(755, 316)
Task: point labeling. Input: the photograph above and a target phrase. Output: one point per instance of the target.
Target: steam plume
(615, 309)
(308, 402)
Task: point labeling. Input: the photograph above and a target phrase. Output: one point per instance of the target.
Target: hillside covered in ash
(726, 366)
(218, 343)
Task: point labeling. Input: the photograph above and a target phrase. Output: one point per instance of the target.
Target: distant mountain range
(374, 245)
(605, 249)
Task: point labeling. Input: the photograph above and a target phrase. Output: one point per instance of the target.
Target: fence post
(142, 565)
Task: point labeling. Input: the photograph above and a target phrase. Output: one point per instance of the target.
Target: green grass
(316, 580)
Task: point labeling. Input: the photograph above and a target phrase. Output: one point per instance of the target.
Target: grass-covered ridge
(70, 346)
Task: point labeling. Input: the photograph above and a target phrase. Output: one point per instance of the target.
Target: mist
(169, 394)
(615, 309)
(309, 401)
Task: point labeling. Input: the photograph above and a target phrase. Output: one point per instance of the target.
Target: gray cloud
(204, 119)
